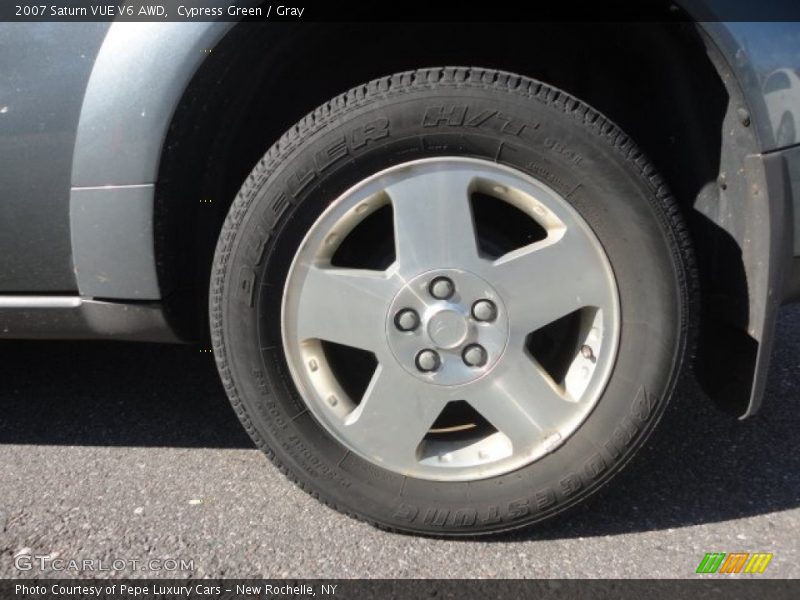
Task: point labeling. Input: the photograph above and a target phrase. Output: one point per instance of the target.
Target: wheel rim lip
(356, 194)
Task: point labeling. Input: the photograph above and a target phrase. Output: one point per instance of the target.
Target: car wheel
(452, 301)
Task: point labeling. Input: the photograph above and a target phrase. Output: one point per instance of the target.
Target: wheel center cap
(443, 328)
(447, 328)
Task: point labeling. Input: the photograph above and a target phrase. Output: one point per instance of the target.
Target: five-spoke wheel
(446, 323)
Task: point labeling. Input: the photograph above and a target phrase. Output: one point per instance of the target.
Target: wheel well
(655, 80)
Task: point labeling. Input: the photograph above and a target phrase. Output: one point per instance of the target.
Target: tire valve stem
(587, 352)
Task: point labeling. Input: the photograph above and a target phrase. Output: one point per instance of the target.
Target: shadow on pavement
(707, 467)
(114, 394)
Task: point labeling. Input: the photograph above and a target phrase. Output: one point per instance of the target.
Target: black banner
(267, 11)
(716, 587)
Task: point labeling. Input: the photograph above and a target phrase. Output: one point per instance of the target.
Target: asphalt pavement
(130, 452)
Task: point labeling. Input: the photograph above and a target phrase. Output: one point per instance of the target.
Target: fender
(139, 75)
(756, 208)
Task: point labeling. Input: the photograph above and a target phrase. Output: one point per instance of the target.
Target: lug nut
(428, 361)
(474, 355)
(406, 320)
(484, 310)
(442, 288)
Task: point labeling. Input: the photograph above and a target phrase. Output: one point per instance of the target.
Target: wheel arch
(139, 76)
(225, 107)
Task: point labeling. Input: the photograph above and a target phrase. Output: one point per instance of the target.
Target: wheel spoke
(548, 280)
(521, 401)
(392, 418)
(346, 306)
(433, 224)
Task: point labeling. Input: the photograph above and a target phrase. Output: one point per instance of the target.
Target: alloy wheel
(480, 361)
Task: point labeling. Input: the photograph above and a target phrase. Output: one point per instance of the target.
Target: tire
(520, 128)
